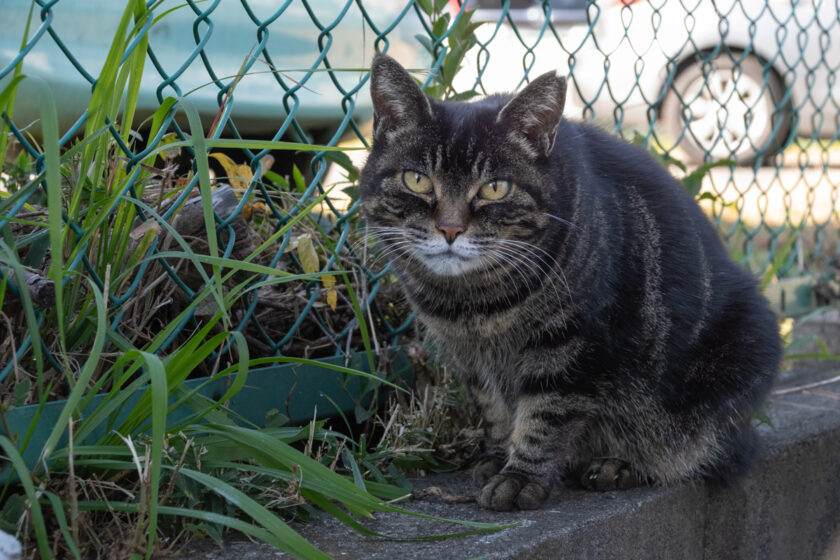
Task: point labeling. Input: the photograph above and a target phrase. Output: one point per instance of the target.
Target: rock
(10, 548)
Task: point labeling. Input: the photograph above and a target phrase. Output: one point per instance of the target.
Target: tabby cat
(588, 303)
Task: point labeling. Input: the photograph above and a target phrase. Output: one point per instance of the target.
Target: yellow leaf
(165, 141)
(238, 175)
(227, 163)
(786, 327)
(307, 255)
(242, 177)
(332, 295)
(254, 208)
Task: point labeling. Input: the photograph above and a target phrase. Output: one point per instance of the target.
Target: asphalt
(788, 508)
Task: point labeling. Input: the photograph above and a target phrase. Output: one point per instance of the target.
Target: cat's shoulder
(609, 156)
(596, 139)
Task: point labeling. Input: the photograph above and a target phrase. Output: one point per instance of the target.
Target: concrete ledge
(788, 508)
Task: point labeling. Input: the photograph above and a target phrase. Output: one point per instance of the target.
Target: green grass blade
(61, 519)
(293, 542)
(8, 256)
(81, 385)
(361, 320)
(241, 370)
(3, 284)
(350, 461)
(178, 367)
(780, 257)
(267, 451)
(34, 505)
(8, 105)
(49, 127)
(8, 92)
(104, 92)
(159, 394)
(330, 508)
(203, 172)
(210, 517)
(117, 396)
(236, 265)
(135, 64)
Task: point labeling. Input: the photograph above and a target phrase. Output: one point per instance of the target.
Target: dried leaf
(227, 163)
(238, 175)
(332, 295)
(267, 161)
(307, 255)
(291, 245)
(242, 178)
(149, 226)
(254, 208)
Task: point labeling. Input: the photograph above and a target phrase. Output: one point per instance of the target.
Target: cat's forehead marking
(428, 159)
(476, 161)
(464, 143)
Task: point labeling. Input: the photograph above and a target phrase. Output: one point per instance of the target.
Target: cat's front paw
(504, 491)
(486, 468)
(609, 474)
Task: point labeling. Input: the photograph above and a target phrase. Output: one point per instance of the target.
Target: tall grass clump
(116, 286)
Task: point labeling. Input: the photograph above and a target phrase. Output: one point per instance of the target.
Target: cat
(582, 295)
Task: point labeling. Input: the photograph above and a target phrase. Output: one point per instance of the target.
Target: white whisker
(561, 220)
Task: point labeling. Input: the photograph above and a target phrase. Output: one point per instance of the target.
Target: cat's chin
(449, 264)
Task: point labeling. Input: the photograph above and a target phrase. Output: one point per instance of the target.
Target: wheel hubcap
(727, 114)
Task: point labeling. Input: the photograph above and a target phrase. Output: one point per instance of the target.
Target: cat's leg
(497, 426)
(606, 474)
(545, 428)
(605, 457)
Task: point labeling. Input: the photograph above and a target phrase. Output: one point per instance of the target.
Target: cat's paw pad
(609, 474)
(487, 468)
(504, 491)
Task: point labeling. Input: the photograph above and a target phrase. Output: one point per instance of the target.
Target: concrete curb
(788, 508)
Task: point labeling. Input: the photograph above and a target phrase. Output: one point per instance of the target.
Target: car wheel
(727, 110)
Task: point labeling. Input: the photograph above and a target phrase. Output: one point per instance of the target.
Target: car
(733, 79)
(272, 88)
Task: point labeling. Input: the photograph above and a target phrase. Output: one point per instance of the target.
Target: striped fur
(593, 312)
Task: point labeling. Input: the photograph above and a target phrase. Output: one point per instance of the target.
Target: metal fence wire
(697, 81)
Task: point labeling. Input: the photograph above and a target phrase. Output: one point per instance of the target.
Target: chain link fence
(695, 81)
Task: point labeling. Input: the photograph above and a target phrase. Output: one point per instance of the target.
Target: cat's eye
(494, 190)
(417, 182)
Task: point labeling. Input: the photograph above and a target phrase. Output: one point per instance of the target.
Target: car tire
(733, 110)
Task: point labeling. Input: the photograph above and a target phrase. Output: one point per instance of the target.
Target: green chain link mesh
(695, 80)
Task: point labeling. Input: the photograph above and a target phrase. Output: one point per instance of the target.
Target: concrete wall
(787, 509)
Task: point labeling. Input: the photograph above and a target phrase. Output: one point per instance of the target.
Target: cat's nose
(450, 232)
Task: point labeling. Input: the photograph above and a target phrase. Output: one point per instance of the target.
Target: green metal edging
(300, 391)
(792, 297)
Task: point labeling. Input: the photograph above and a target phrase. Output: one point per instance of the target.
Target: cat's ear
(532, 117)
(398, 102)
